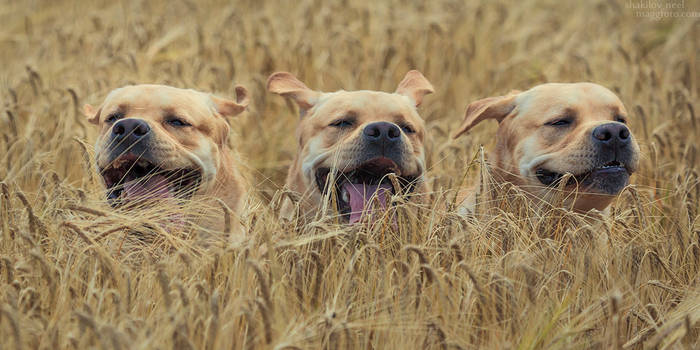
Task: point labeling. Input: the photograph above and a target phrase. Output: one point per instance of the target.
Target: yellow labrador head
(160, 142)
(350, 140)
(554, 129)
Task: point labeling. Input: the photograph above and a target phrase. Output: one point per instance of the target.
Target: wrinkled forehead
(150, 98)
(365, 105)
(582, 99)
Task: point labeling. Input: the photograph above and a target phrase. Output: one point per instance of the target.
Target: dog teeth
(612, 165)
(115, 194)
(344, 195)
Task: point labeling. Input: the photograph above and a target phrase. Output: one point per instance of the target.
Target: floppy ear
(488, 108)
(287, 85)
(228, 108)
(415, 86)
(92, 114)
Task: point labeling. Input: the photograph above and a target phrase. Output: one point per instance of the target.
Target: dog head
(349, 141)
(555, 129)
(161, 142)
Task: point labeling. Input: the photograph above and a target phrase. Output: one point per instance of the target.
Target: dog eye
(621, 119)
(408, 129)
(342, 123)
(560, 122)
(113, 117)
(178, 122)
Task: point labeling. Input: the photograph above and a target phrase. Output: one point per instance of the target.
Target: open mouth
(356, 188)
(610, 170)
(132, 178)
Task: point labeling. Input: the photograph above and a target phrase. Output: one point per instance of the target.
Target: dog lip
(126, 169)
(371, 172)
(549, 178)
(375, 169)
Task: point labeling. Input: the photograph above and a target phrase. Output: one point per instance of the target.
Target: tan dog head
(160, 142)
(350, 140)
(554, 129)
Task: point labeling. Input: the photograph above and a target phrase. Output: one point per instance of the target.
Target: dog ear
(287, 85)
(92, 114)
(228, 108)
(488, 108)
(415, 86)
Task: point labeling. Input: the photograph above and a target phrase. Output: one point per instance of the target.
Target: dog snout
(382, 133)
(611, 135)
(130, 129)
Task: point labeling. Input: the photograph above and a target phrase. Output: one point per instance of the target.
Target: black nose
(383, 132)
(613, 134)
(130, 129)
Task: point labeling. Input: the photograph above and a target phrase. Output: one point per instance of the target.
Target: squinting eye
(620, 119)
(560, 122)
(342, 123)
(113, 118)
(408, 129)
(178, 122)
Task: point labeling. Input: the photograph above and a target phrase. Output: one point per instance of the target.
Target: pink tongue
(155, 186)
(360, 195)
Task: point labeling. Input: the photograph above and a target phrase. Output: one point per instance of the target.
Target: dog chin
(607, 181)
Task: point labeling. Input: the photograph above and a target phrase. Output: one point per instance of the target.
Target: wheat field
(76, 274)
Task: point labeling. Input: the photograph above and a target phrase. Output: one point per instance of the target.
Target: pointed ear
(228, 108)
(488, 108)
(415, 86)
(287, 85)
(92, 114)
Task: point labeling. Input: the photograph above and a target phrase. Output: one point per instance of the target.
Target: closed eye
(177, 122)
(342, 123)
(114, 117)
(560, 122)
(408, 129)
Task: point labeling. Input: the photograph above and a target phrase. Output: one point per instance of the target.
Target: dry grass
(76, 275)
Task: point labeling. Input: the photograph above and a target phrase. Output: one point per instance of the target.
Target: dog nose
(131, 128)
(382, 132)
(613, 134)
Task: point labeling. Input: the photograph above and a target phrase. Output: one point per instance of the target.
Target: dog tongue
(155, 186)
(360, 195)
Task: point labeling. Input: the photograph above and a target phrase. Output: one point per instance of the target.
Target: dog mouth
(132, 178)
(357, 188)
(608, 178)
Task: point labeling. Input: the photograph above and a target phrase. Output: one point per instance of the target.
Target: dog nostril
(382, 131)
(372, 131)
(603, 135)
(614, 133)
(118, 129)
(141, 130)
(130, 127)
